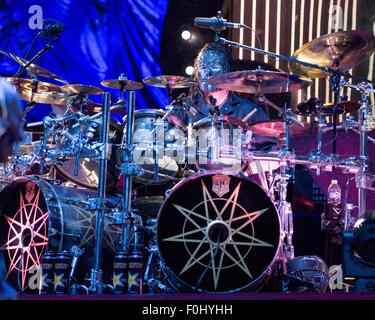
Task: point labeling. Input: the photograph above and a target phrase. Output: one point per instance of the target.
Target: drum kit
(218, 229)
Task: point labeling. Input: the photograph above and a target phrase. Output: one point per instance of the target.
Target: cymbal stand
(285, 207)
(366, 124)
(128, 169)
(96, 279)
(335, 84)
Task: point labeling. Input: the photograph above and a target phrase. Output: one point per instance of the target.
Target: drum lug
(202, 171)
(168, 192)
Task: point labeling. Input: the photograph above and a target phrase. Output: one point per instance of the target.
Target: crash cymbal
(122, 84)
(311, 108)
(259, 81)
(171, 82)
(34, 70)
(275, 128)
(345, 48)
(38, 91)
(81, 89)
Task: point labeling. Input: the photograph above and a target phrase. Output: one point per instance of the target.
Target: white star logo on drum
(218, 234)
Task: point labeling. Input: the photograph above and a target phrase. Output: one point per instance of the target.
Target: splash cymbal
(259, 81)
(170, 82)
(343, 50)
(122, 84)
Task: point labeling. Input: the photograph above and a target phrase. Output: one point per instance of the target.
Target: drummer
(212, 60)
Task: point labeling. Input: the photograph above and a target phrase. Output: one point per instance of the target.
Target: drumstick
(246, 118)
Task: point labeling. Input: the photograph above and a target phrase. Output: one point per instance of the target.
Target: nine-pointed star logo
(132, 280)
(213, 236)
(27, 237)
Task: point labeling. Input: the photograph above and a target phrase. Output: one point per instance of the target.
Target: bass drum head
(217, 233)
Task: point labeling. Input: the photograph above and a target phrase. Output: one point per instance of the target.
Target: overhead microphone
(217, 23)
(51, 28)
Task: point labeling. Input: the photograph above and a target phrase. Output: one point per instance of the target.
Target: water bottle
(334, 193)
(334, 208)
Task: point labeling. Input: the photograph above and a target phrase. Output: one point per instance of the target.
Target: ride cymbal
(340, 50)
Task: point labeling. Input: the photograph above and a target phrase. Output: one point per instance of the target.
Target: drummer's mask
(210, 63)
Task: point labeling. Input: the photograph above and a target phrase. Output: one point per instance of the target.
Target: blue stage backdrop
(102, 39)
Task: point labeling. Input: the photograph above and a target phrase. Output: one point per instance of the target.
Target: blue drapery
(102, 39)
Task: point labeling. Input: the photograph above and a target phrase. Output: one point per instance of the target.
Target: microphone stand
(47, 47)
(286, 58)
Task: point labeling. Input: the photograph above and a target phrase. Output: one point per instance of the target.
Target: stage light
(186, 35)
(189, 70)
(359, 253)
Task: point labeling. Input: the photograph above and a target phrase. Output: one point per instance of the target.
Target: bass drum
(218, 234)
(36, 215)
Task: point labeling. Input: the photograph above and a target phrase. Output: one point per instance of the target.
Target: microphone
(51, 29)
(217, 23)
(76, 252)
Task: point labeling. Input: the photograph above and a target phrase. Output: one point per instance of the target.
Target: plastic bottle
(334, 193)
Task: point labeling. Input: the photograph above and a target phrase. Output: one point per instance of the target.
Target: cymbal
(171, 82)
(34, 69)
(310, 108)
(259, 81)
(81, 89)
(346, 106)
(38, 91)
(345, 48)
(122, 84)
(275, 128)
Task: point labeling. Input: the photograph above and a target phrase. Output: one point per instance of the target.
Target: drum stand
(366, 124)
(96, 284)
(128, 169)
(285, 207)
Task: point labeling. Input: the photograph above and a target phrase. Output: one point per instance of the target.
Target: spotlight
(186, 35)
(359, 253)
(189, 70)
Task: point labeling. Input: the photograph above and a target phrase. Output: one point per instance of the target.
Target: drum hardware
(96, 279)
(128, 170)
(364, 121)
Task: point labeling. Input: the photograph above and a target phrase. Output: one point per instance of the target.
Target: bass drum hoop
(182, 286)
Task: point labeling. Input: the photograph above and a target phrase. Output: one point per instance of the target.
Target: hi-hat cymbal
(122, 84)
(81, 89)
(275, 128)
(34, 70)
(343, 50)
(259, 81)
(170, 82)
